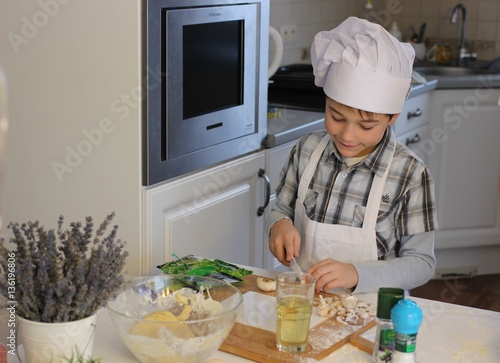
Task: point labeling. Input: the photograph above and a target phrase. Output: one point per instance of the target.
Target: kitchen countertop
(483, 74)
(288, 124)
(466, 81)
(419, 88)
(449, 333)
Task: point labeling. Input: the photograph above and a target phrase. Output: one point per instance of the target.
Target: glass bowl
(175, 318)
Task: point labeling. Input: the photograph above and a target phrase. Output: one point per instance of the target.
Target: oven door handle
(267, 198)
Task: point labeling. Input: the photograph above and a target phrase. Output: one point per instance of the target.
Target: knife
(414, 37)
(294, 266)
(421, 32)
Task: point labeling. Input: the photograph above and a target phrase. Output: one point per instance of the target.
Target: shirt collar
(378, 159)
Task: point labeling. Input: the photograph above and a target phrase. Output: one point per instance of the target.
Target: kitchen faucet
(463, 54)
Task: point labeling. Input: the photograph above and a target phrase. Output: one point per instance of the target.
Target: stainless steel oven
(209, 103)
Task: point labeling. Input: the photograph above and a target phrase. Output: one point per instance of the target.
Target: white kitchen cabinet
(211, 213)
(415, 113)
(275, 160)
(464, 159)
(412, 126)
(415, 139)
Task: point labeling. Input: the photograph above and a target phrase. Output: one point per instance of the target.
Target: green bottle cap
(387, 298)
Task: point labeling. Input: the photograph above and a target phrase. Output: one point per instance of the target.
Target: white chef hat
(360, 64)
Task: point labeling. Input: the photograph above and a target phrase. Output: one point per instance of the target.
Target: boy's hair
(363, 113)
(370, 114)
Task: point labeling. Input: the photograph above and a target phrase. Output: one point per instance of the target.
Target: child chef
(353, 205)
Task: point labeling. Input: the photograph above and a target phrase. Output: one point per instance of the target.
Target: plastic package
(385, 337)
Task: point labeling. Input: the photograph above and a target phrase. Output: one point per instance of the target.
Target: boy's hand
(284, 241)
(332, 274)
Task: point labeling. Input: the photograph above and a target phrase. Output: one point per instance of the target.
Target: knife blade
(421, 32)
(294, 266)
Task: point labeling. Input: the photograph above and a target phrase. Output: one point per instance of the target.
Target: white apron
(342, 243)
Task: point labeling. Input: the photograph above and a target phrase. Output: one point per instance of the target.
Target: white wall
(70, 64)
(482, 25)
(311, 16)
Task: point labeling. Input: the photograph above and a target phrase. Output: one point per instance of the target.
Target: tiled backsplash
(311, 16)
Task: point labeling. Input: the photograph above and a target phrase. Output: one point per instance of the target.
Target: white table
(449, 333)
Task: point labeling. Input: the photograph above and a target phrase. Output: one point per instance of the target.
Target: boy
(354, 206)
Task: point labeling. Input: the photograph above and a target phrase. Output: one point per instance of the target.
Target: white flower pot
(52, 342)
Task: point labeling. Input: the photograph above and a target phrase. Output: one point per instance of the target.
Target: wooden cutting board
(260, 345)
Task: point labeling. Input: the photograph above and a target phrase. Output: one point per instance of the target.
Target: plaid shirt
(339, 195)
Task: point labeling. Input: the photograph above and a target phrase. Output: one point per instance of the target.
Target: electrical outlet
(288, 34)
(456, 272)
(306, 54)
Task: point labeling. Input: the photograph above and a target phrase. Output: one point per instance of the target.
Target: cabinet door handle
(267, 198)
(414, 140)
(417, 113)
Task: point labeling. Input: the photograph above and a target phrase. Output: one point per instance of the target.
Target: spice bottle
(406, 316)
(384, 340)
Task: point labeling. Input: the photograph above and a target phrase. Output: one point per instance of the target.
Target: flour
(324, 337)
(347, 354)
(185, 329)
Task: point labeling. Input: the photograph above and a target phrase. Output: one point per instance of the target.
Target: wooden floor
(481, 291)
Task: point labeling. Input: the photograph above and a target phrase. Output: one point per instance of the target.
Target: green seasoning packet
(191, 265)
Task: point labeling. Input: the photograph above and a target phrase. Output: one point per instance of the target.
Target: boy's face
(354, 132)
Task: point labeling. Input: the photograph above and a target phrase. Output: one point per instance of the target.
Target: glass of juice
(294, 300)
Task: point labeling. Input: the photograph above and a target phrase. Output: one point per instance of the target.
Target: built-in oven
(206, 68)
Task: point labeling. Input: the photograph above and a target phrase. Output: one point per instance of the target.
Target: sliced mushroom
(265, 284)
(349, 302)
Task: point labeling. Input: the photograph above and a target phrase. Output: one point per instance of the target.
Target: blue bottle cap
(406, 316)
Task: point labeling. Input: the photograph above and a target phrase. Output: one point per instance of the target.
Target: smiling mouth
(347, 146)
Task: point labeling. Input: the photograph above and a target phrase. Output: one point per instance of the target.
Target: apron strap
(375, 197)
(305, 180)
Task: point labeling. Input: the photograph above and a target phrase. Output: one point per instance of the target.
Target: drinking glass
(294, 301)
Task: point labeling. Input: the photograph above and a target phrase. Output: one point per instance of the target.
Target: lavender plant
(62, 275)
